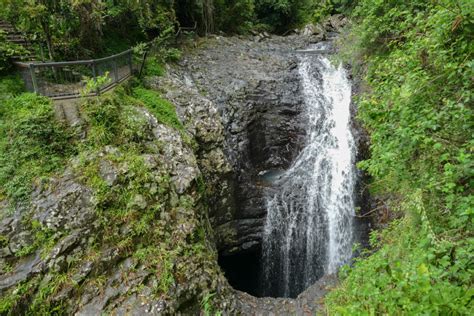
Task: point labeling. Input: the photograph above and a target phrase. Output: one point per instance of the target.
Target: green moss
(43, 238)
(163, 110)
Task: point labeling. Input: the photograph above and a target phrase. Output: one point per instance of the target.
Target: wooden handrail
(73, 62)
(186, 28)
(55, 87)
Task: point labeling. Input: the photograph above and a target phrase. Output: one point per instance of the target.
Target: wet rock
(67, 110)
(139, 201)
(83, 272)
(66, 244)
(64, 204)
(313, 29)
(256, 89)
(201, 118)
(23, 270)
(19, 241)
(337, 22)
(307, 303)
(63, 207)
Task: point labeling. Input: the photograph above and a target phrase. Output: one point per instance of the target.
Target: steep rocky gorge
(256, 89)
(241, 105)
(70, 249)
(256, 85)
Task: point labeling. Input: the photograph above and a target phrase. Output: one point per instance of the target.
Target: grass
(32, 144)
(34, 147)
(163, 110)
(10, 86)
(153, 67)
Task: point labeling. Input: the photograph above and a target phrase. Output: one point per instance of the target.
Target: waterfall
(308, 229)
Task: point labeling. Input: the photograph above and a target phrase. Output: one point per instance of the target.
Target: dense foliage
(32, 144)
(66, 29)
(7, 51)
(417, 58)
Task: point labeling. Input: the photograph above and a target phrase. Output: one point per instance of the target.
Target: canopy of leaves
(79, 29)
(85, 28)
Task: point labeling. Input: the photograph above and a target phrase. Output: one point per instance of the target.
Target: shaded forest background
(84, 28)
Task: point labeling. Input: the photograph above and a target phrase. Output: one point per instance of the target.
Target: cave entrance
(243, 270)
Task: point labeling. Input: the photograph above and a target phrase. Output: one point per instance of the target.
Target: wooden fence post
(116, 74)
(33, 78)
(130, 61)
(94, 73)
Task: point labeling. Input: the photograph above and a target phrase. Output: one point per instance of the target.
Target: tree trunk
(49, 39)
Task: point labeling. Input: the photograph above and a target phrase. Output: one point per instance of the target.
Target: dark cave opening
(242, 270)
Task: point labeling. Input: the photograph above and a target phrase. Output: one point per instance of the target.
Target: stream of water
(309, 225)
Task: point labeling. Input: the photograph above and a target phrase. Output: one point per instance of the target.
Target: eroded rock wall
(255, 85)
(124, 228)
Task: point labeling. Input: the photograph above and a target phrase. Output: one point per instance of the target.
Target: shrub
(417, 62)
(32, 144)
(7, 51)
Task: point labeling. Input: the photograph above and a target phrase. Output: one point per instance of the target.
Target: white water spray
(309, 229)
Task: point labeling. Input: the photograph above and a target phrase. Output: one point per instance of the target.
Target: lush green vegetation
(417, 60)
(84, 28)
(33, 143)
(35, 146)
(10, 86)
(162, 109)
(7, 51)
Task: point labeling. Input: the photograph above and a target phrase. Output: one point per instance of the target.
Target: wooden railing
(186, 29)
(68, 79)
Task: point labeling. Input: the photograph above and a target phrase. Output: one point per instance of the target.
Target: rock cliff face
(255, 85)
(124, 228)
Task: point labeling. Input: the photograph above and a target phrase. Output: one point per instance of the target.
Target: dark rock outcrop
(54, 245)
(310, 302)
(64, 207)
(256, 88)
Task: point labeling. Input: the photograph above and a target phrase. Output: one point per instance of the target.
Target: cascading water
(309, 230)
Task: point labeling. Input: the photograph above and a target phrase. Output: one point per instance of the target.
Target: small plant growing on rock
(93, 84)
